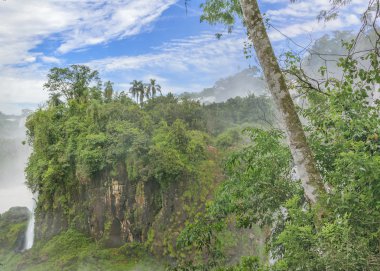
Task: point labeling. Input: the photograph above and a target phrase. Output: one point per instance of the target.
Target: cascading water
(29, 235)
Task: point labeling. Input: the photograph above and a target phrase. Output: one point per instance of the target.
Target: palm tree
(137, 90)
(108, 91)
(141, 91)
(152, 88)
(55, 99)
(147, 91)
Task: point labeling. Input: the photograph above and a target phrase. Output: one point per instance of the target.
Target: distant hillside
(241, 84)
(250, 81)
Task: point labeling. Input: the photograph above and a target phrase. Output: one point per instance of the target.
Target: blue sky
(137, 39)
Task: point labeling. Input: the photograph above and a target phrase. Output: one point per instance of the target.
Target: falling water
(29, 236)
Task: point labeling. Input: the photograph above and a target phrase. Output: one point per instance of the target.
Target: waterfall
(29, 235)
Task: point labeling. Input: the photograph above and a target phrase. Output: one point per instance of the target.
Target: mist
(246, 82)
(13, 159)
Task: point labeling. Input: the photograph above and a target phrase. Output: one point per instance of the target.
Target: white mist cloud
(13, 191)
(21, 87)
(18, 195)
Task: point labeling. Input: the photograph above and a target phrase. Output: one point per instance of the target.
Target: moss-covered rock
(13, 224)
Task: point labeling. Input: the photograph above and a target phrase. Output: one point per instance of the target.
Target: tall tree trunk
(301, 152)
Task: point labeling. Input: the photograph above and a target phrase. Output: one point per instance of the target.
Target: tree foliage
(343, 127)
(93, 130)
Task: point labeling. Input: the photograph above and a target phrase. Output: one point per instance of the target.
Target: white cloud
(313, 26)
(107, 20)
(299, 18)
(205, 54)
(181, 64)
(274, 1)
(24, 24)
(72, 25)
(199, 57)
(50, 59)
(201, 53)
(75, 24)
(299, 9)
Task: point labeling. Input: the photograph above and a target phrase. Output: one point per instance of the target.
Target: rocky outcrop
(116, 210)
(13, 224)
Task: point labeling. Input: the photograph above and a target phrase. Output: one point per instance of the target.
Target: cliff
(121, 173)
(111, 173)
(117, 210)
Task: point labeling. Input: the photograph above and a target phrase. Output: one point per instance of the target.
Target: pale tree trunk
(301, 152)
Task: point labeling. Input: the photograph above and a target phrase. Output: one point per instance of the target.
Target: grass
(72, 250)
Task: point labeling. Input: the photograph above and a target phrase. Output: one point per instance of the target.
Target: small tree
(137, 90)
(152, 88)
(76, 82)
(108, 90)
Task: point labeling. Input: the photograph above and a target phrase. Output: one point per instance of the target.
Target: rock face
(13, 224)
(117, 210)
(120, 210)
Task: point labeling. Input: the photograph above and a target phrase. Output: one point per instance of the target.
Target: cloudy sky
(137, 39)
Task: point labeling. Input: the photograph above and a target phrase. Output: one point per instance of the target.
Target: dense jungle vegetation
(342, 231)
(165, 137)
(86, 131)
(138, 180)
(91, 130)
